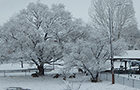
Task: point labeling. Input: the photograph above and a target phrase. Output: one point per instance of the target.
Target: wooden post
(25, 72)
(21, 64)
(139, 68)
(125, 66)
(4, 72)
(53, 65)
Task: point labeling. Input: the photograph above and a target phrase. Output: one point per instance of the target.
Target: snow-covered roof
(130, 54)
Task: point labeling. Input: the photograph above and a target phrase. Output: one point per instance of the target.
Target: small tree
(91, 53)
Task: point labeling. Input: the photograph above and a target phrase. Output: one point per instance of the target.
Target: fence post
(99, 75)
(133, 82)
(4, 72)
(25, 72)
(123, 80)
(106, 76)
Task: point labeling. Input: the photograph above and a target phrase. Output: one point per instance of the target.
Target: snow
(130, 54)
(15, 66)
(47, 82)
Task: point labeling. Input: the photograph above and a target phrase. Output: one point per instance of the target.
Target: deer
(57, 75)
(35, 75)
(64, 78)
(80, 70)
(72, 76)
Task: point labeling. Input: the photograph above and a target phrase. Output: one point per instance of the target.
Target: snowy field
(47, 82)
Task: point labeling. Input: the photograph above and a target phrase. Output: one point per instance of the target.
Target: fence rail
(23, 71)
(121, 80)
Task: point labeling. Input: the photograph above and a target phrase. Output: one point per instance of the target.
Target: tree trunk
(21, 64)
(41, 70)
(93, 79)
(97, 75)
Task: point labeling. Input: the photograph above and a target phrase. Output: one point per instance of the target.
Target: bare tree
(122, 16)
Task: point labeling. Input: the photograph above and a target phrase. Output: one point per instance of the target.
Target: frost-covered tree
(137, 44)
(91, 53)
(36, 34)
(120, 13)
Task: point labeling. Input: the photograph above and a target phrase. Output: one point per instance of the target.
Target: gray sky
(78, 8)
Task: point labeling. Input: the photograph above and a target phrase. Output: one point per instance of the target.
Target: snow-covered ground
(47, 82)
(15, 66)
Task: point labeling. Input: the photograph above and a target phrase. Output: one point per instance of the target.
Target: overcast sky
(78, 8)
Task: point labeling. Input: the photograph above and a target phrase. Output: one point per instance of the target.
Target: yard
(47, 82)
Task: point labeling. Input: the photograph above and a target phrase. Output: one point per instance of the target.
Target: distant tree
(36, 34)
(122, 15)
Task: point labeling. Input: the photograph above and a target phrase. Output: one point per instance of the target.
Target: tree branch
(35, 62)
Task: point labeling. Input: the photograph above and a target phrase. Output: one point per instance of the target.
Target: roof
(129, 55)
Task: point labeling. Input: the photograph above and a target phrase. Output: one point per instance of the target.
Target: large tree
(119, 13)
(36, 34)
